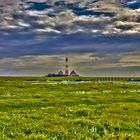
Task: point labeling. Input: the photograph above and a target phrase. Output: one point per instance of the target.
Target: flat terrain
(69, 109)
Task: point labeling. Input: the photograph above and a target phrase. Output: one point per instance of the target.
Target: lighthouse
(66, 71)
(66, 66)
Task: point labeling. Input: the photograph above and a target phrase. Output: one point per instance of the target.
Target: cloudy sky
(100, 37)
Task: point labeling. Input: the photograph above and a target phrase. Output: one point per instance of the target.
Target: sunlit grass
(68, 111)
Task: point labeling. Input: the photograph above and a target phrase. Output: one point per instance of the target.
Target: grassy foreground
(38, 109)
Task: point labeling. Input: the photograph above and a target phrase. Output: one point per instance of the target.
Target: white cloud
(23, 24)
(64, 16)
(47, 30)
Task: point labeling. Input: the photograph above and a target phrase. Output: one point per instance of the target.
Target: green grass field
(68, 109)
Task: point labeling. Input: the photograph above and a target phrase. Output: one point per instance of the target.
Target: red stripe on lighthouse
(66, 67)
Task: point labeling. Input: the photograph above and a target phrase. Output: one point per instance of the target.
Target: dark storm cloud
(19, 45)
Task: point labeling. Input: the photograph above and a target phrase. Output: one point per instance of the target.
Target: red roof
(60, 73)
(73, 73)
